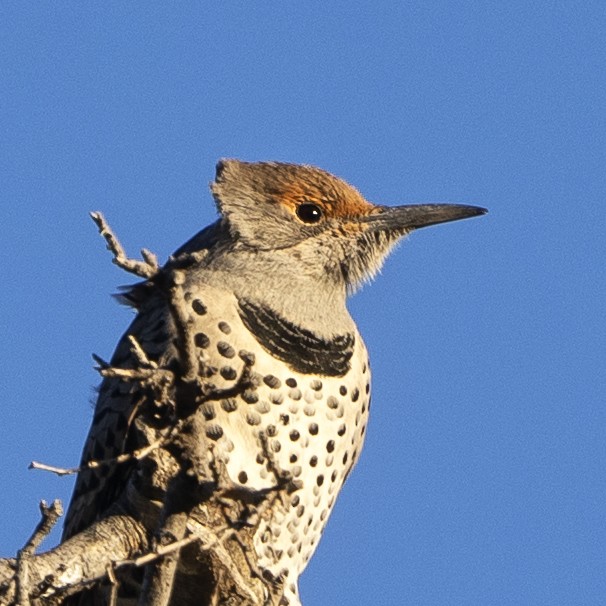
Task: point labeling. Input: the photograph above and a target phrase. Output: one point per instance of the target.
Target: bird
(266, 293)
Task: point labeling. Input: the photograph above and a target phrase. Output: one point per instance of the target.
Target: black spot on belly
(300, 348)
(201, 340)
(272, 381)
(225, 349)
(224, 327)
(214, 432)
(228, 373)
(198, 307)
(229, 405)
(316, 385)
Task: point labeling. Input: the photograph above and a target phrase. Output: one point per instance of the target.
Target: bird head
(319, 219)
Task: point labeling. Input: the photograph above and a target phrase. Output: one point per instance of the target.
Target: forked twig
(50, 515)
(148, 268)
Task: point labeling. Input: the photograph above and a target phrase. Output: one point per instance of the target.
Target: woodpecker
(268, 295)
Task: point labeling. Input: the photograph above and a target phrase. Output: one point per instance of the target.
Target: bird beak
(407, 218)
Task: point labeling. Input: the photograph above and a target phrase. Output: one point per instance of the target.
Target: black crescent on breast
(301, 349)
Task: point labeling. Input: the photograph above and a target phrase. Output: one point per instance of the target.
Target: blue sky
(483, 477)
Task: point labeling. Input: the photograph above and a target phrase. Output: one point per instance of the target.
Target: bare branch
(60, 471)
(159, 552)
(207, 520)
(134, 374)
(50, 515)
(149, 257)
(138, 352)
(178, 308)
(126, 457)
(144, 269)
(160, 573)
(113, 581)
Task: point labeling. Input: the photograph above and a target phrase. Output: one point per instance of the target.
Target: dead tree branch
(50, 515)
(205, 524)
(147, 268)
(127, 457)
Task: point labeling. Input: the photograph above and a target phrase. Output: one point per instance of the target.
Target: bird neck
(280, 280)
(277, 281)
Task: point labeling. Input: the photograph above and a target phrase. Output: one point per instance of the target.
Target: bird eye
(309, 213)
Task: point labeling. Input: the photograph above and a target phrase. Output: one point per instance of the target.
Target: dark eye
(309, 213)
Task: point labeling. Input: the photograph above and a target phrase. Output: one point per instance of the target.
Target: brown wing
(112, 432)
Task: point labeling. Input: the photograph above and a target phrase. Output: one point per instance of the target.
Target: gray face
(324, 223)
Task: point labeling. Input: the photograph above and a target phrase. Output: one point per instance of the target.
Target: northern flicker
(269, 294)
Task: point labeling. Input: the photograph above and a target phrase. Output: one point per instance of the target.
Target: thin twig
(136, 455)
(178, 307)
(136, 374)
(113, 582)
(139, 353)
(50, 515)
(160, 552)
(144, 269)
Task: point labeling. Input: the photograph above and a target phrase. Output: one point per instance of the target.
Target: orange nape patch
(336, 198)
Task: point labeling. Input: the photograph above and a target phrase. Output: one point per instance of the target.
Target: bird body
(266, 300)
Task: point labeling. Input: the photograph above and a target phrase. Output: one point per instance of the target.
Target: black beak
(407, 218)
